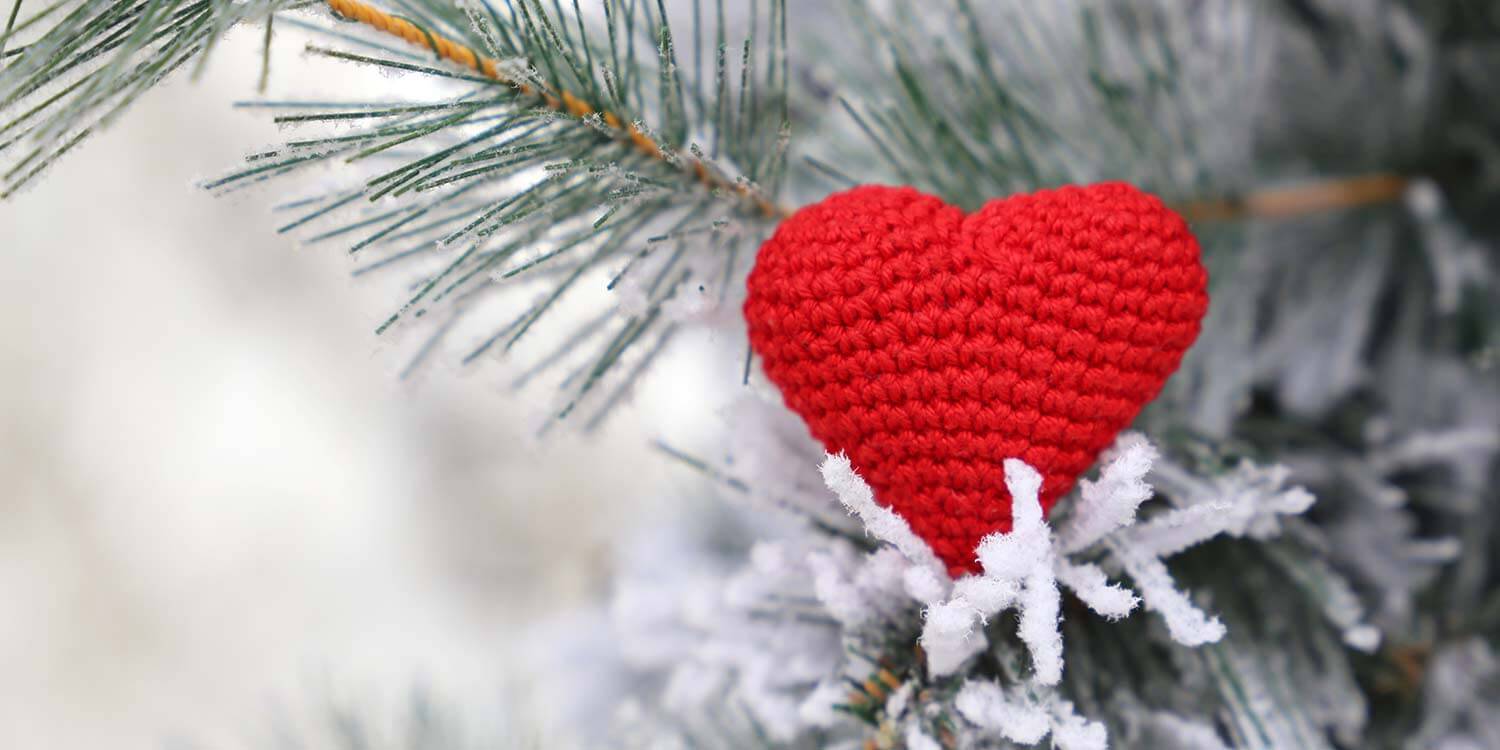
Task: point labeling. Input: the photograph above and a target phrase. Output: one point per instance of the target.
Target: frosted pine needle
(880, 522)
(1022, 569)
(1027, 718)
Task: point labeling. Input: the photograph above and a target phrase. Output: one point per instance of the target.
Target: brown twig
(1300, 200)
(562, 101)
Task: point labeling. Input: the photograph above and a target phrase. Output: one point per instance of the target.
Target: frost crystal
(1028, 718)
(880, 522)
(1022, 569)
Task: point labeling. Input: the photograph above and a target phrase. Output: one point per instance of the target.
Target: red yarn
(930, 346)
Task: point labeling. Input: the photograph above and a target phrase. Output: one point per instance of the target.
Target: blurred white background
(217, 497)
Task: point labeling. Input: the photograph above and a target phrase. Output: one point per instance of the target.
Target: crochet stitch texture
(930, 346)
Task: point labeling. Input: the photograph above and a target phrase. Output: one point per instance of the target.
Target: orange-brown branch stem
(562, 101)
(1300, 200)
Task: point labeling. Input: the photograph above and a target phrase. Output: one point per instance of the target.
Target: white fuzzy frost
(1023, 569)
(881, 522)
(768, 634)
(1026, 718)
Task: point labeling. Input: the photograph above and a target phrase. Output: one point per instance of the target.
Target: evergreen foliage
(632, 154)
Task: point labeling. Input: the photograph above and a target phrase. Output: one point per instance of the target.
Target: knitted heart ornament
(930, 346)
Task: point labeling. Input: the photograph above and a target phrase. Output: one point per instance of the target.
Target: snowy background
(221, 506)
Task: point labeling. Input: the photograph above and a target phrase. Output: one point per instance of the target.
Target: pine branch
(61, 83)
(951, 111)
(563, 155)
(560, 100)
(627, 144)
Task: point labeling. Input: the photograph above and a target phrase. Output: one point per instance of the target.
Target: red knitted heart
(930, 346)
